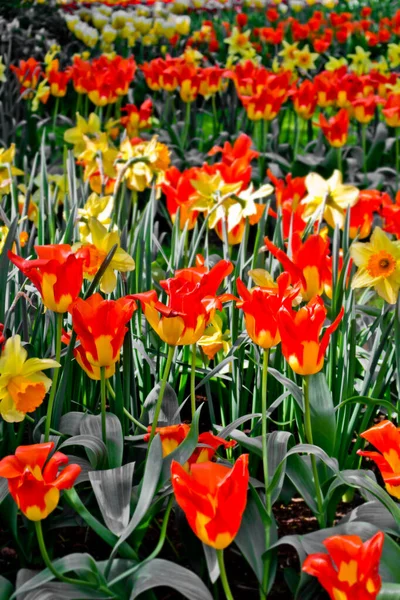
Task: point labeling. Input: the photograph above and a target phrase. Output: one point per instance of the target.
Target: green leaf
(294, 389)
(3, 489)
(323, 420)
(169, 406)
(6, 588)
(95, 448)
(389, 591)
(159, 572)
(212, 563)
(91, 425)
(148, 488)
(4, 262)
(277, 449)
(250, 538)
(113, 489)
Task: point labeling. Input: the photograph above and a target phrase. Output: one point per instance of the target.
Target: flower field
(199, 299)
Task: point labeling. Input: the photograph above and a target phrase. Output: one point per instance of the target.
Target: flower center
(27, 395)
(381, 264)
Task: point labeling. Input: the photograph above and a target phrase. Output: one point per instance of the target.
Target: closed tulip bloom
(350, 570)
(300, 333)
(386, 438)
(100, 326)
(57, 274)
(391, 110)
(23, 386)
(192, 304)
(80, 355)
(34, 486)
(213, 498)
(261, 306)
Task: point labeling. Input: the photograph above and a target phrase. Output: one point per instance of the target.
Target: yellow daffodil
(97, 207)
(60, 183)
(378, 263)
(212, 194)
(329, 198)
(89, 128)
(335, 63)
(243, 205)
(262, 278)
(288, 52)
(42, 94)
(6, 169)
(393, 56)
(23, 386)
(95, 249)
(143, 163)
(215, 339)
(240, 45)
(3, 77)
(305, 59)
(360, 61)
(98, 156)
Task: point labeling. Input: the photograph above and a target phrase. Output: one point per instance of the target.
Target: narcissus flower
(300, 333)
(350, 570)
(336, 128)
(385, 436)
(215, 339)
(173, 435)
(378, 263)
(34, 486)
(76, 135)
(328, 198)
(23, 386)
(192, 303)
(213, 498)
(143, 162)
(6, 168)
(261, 306)
(95, 249)
(100, 326)
(57, 275)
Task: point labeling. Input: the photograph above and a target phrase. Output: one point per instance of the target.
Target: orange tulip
(261, 307)
(305, 99)
(391, 110)
(28, 73)
(58, 80)
(100, 326)
(213, 498)
(300, 333)
(386, 438)
(336, 129)
(57, 274)
(173, 435)
(192, 303)
(350, 570)
(34, 486)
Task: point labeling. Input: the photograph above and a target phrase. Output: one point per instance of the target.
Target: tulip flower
(80, 355)
(378, 263)
(34, 486)
(191, 305)
(173, 435)
(391, 110)
(261, 307)
(100, 326)
(213, 498)
(57, 274)
(309, 263)
(23, 386)
(300, 332)
(385, 436)
(28, 73)
(336, 128)
(350, 570)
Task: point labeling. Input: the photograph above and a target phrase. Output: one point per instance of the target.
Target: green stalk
(103, 404)
(171, 352)
(51, 567)
(224, 578)
(309, 438)
(339, 159)
(187, 125)
(193, 381)
(265, 465)
(59, 324)
(364, 149)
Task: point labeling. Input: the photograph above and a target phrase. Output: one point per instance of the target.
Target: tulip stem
(193, 380)
(59, 324)
(264, 439)
(171, 352)
(309, 438)
(224, 578)
(47, 561)
(340, 160)
(103, 404)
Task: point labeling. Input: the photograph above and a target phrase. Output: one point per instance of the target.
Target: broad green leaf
(6, 588)
(251, 537)
(95, 448)
(169, 406)
(160, 573)
(322, 409)
(91, 425)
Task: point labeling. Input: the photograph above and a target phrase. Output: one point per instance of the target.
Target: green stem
(135, 421)
(59, 324)
(265, 466)
(171, 351)
(364, 149)
(339, 160)
(193, 381)
(103, 404)
(224, 579)
(187, 125)
(309, 438)
(51, 567)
